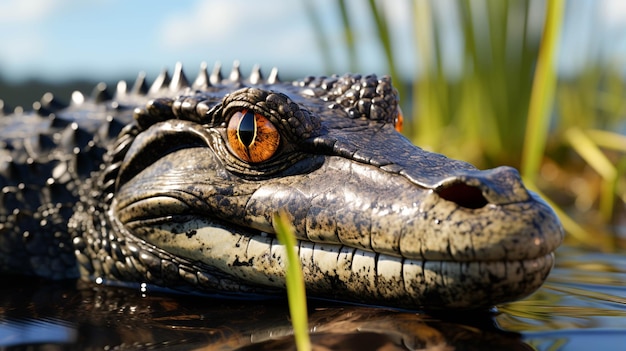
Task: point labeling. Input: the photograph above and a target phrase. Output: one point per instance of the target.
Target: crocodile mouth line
(193, 236)
(257, 260)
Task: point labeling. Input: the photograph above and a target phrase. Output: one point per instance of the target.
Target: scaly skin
(152, 187)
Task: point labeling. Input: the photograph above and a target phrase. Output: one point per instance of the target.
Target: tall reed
(508, 106)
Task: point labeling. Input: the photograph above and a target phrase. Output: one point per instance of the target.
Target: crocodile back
(45, 157)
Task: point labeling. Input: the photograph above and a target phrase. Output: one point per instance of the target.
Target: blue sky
(60, 38)
(111, 39)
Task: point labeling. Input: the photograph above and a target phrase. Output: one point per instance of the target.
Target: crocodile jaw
(347, 273)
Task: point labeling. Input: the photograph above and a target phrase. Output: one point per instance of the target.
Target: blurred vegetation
(507, 105)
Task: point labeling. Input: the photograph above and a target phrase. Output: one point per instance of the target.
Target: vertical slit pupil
(247, 128)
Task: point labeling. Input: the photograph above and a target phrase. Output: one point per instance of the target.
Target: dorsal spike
(140, 87)
(39, 144)
(51, 103)
(4, 108)
(58, 122)
(39, 109)
(161, 81)
(77, 98)
(235, 73)
(256, 76)
(121, 89)
(73, 136)
(46, 141)
(179, 80)
(110, 128)
(216, 74)
(48, 104)
(10, 170)
(100, 93)
(202, 80)
(273, 77)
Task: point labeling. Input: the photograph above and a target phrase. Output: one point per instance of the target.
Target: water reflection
(88, 316)
(34, 331)
(582, 306)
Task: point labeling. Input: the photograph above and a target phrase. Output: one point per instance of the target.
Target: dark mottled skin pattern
(44, 161)
(124, 187)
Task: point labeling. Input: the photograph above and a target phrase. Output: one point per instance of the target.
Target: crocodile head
(192, 186)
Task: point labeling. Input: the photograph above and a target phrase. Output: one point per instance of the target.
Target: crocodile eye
(252, 137)
(398, 123)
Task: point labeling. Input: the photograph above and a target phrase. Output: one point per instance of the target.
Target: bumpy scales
(176, 185)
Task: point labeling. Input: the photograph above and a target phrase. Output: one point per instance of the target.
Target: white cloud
(16, 11)
(614, 12)
(207, 20)
(214, 21)
(270, 33)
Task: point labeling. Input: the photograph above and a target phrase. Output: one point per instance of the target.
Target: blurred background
(466, 72)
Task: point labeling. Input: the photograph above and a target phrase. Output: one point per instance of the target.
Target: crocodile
(176, 185)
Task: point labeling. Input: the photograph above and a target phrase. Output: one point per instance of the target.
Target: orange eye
(398, 123)
(252, 137)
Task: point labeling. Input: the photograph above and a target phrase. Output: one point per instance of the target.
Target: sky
(61, 38)
(113, 39)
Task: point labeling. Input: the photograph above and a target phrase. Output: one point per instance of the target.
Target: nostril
(463, 195)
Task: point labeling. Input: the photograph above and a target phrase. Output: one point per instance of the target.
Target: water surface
(582, 306)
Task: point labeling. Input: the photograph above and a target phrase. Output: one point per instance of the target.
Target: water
(582, 306)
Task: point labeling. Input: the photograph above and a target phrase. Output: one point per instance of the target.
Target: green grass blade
(542, 94)
(349, 36)
(385, 40)
(428, 118)
(320, 38)
(594, 157)
(609, 140)
(590, 152)
(295, 283)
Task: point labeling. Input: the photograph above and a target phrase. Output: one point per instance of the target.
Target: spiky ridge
(48, 156)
